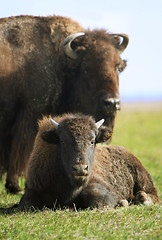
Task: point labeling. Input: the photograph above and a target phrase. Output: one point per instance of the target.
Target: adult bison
(52, 65)
(66, 167)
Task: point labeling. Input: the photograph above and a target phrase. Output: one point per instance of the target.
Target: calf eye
(92, 142)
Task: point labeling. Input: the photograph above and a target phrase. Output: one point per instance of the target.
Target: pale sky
(140, 19)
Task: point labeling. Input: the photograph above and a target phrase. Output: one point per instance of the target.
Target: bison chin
(106, 130)
(110, 120)
(80, 181)
(80, 175)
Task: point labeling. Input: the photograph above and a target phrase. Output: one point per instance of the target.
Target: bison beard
(66, 168)
(52, 65)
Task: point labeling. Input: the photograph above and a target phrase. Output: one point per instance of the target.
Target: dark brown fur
(37, 77)
(114, 174)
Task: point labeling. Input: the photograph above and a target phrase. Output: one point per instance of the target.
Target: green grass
(142, 134)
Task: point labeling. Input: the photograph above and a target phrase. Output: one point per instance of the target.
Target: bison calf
(66, 167)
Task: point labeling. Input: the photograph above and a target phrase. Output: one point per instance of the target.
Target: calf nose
(80, 169)
(111, 104)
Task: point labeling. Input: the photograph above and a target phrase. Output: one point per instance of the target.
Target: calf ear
(104, 135)
(50, 136)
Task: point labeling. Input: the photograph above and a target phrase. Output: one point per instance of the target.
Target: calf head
(75, 137)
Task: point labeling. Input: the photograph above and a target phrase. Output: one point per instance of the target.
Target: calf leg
(96, 195)
(31, 200)
(123, 203)
(142, 197)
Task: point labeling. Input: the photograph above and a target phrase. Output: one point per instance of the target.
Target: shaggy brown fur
(117, 175)
(37, 77)
(57, 174)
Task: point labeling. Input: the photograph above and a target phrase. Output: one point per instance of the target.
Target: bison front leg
(20, 150)
(12, 184)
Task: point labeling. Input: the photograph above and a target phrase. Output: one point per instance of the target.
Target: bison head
(75, 137)
(92, 73)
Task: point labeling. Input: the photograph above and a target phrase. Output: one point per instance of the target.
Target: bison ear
(50, 136)
(104, 135)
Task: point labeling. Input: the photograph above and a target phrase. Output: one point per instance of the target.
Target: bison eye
(119, 68)
(92, 142)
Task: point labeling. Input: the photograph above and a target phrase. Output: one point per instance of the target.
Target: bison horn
(54, 123)
(122, 46)
(99, 123)
(67, 45)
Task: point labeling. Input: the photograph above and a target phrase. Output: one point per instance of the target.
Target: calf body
(117, 175)
(66, 167)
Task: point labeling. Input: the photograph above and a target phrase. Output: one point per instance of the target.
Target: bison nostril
(118, 104)
(80, 170)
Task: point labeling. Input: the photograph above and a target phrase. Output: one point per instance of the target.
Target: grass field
(139, 131)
